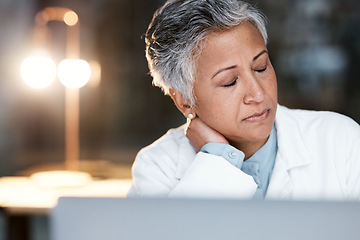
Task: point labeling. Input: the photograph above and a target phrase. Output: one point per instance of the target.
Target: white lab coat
(318, 158)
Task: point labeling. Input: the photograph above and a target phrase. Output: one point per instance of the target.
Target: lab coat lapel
(280, 185)
(292, 153)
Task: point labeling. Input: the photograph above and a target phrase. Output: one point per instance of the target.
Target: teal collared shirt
(260, 165)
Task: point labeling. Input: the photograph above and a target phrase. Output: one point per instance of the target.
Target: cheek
(215, 110)
(271, 86)
(210, 106)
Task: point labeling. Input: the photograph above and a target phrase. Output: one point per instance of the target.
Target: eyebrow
(224, 69)
(261, 53)
(235, 66)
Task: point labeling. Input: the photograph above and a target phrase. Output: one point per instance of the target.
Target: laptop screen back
(175, 219)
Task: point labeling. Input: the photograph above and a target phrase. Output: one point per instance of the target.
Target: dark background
(314, 47)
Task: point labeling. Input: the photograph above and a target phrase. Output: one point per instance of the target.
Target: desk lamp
(39, 71)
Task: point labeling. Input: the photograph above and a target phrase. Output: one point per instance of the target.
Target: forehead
(245, 34)
(224, 47)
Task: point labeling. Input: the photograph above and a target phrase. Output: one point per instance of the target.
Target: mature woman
(211, 57)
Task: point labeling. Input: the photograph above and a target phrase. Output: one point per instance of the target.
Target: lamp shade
(74, 73)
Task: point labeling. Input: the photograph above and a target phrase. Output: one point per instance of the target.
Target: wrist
(228, 152)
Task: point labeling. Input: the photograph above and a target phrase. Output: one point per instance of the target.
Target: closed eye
(261, 70)
(232, 83)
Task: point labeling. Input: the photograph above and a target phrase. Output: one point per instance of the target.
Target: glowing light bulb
(38, 72)
(71, 18)
(74, 73)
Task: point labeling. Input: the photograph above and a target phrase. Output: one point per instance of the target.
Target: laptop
(87, 218)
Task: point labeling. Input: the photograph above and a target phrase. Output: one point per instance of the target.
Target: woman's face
(235, 85)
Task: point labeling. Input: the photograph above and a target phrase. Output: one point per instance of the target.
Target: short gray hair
(177, 31)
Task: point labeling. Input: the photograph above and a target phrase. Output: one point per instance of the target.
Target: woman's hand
(200, 134)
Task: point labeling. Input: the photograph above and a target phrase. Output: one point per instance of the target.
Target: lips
(257, 117)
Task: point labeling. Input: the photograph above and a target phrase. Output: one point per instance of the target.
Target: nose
(254, 91)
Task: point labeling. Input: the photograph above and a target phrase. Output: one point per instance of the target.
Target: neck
(249, 148)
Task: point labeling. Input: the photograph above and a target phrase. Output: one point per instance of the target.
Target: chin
(259, 133)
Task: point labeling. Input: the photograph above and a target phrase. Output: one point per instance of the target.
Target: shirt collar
(261, 163)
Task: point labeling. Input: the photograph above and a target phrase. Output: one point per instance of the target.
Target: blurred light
(95, 74)
(38, 72)
(74, 73)
(53, 179)
(71, 18)
(45, 16)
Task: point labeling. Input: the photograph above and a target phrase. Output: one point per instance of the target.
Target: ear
(182, 104)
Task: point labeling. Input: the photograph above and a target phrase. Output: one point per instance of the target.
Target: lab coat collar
(292, 149)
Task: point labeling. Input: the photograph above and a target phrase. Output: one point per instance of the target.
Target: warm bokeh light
(74, 73)
(61, 178)
(38, 72)
(95, 74)
(71, 18)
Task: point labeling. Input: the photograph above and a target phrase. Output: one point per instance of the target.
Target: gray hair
(177, 31)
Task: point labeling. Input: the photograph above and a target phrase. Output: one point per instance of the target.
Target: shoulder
(310, 120)
(170, 141)
(154, 169)
(319, 129)
(164, 151)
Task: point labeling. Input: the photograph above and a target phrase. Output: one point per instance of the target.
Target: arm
(207, 175)
(219, 178)
(210, 176)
